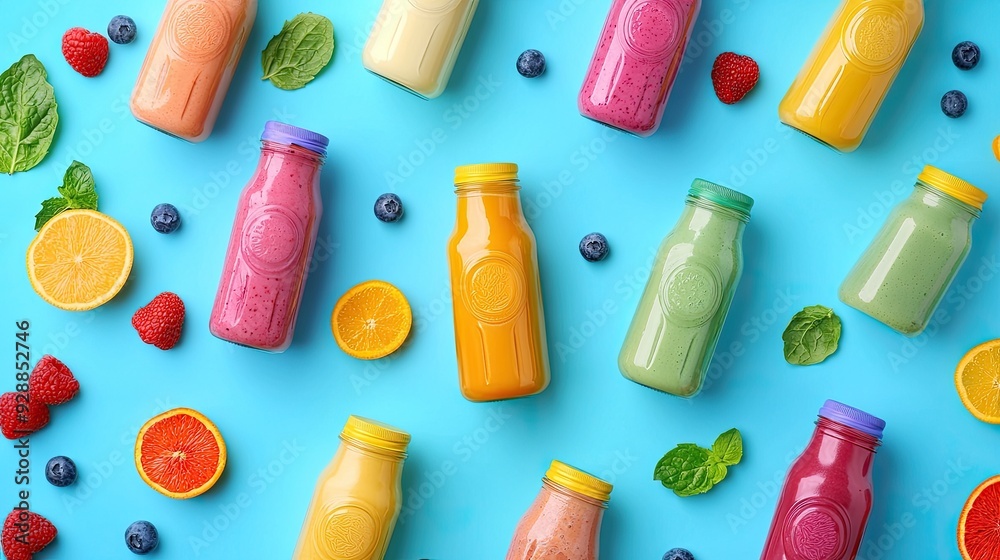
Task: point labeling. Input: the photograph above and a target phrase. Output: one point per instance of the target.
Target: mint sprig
(689, 469)
(77, 191)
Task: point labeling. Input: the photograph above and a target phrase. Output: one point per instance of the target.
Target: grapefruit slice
(979, 524)
(372, 320)
(180, 453)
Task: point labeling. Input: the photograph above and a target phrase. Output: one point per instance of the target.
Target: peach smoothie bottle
(358, 496)
(496, 291)
(564, 522)
(415, 43)
(840, 88)
(190, 63)
(273, 235)
(636, 62)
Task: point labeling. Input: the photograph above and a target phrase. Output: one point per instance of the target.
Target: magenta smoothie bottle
(635, 63)
(824, 505)
(277, 218)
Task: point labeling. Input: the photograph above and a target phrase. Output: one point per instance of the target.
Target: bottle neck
(932, 197)
(567, 494)
(366, 451)
(290, 153)
(489, 200)
(831, 434)
(706, 217)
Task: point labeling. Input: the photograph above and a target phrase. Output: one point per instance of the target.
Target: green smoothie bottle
(673, 334)
(904, 273)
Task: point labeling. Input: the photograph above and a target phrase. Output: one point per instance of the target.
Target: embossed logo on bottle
(875, 37)
(691, 293)
(494, 288)
(651, 29)
(199, 30)
(271, 240)
(347, 533)
(816, 529)
(434, 6)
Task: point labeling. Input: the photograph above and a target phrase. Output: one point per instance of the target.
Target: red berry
(159, 322)
(25, 533)
(86, 52)
(733, 76)
(20, 416)
(52, 382)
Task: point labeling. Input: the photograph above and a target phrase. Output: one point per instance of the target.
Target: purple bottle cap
(282, 133)
(852, 417)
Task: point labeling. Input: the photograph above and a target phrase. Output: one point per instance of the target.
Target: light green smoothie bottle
(673, 334)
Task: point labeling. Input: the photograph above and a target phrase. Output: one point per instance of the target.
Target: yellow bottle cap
(953, 186)
(376, 434)
(578, 481)
(486, 173)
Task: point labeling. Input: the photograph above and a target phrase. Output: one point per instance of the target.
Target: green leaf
(28, 115)
(812, 336)
(299, 52)
(685, 470)
(719, 472)
(728, 448)
(78, 187)
(50, 208)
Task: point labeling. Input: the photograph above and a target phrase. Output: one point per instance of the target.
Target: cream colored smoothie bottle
(190, 63)
(358, 497)
(414, 43)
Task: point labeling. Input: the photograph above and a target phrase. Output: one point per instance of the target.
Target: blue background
(281, 414)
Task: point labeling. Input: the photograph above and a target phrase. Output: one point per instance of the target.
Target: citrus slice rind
(979, 523)
(372, 320)
(79, 260)
(180, 453)
(977, 379)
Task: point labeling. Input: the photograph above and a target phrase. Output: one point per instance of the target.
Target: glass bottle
(905, 272)
(277, 219)
(190, 64)
(358, 496)
(840, 88)
(497, 295)
(677, 324)
(564, 522)
(824, 504)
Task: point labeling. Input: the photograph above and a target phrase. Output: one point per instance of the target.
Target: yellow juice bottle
(497, 295)
(358, 496)
(843, 83)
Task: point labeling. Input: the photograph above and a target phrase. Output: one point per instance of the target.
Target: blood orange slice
(979, 524)
(180, 453)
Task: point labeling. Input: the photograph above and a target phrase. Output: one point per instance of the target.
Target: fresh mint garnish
(28, 115)
(812, 336)
(299, 52)
(689, 469)
(78, 192)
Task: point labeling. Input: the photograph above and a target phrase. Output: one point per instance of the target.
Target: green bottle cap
(723, 196)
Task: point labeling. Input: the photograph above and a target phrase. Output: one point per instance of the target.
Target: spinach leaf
(812, 336)
(299, 52)
(28, 115)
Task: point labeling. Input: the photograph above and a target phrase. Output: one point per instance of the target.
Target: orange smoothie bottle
(837, 93)
(189, 65)
(358, 497)
(497, 296)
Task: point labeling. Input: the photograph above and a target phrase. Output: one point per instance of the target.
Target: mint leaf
(28, 115)
(299, 52)
(78, 187)
(812, 336)
(719, 472)
(78, 191)
(50, 208)
(728, 448)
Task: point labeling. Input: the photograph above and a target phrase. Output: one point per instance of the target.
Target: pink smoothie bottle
(277, 218)
(635, 63)
(824, 505)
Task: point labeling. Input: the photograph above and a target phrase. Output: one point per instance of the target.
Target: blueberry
(531, 63)
(594, 247)
(678, 554)
(121, 30)
(60, 471)
(141, 537)
(966, 55)
(165, 218)
(388, 208)
(954, 103)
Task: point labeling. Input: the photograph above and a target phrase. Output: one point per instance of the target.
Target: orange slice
(180, 453)
(979, 524)
(372, 320)
(978, 381)
(996, 147)
(79, 260)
